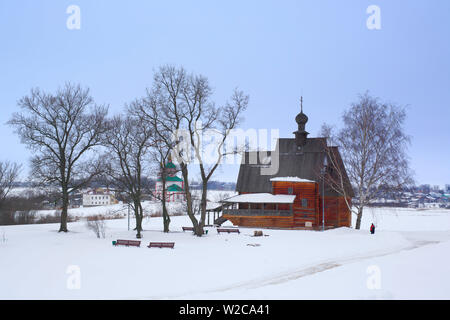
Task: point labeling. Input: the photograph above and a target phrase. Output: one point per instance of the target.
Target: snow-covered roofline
(261, 198)
(99, 191)
(291, 179)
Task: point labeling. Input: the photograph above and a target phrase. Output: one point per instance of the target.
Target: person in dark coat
(372, 229)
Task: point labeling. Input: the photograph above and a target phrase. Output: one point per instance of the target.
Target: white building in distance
(98, 197)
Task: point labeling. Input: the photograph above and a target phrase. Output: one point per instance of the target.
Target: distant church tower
(301, 134)
(174, 184)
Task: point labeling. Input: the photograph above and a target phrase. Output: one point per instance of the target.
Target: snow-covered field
(150, 207)
(407, 258)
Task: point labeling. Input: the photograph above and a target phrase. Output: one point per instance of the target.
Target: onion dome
(301, 134)
(301, 118)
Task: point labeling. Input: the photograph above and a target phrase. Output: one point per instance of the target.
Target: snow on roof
(262, 198)
(291, 179)
(213, 205)
(99, 191)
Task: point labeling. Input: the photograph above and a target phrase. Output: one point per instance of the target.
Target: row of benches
(219, 230)
(137, 243)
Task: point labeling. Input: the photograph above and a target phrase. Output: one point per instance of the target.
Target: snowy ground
(407, 258)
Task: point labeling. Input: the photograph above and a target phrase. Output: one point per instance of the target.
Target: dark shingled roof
(304, 163)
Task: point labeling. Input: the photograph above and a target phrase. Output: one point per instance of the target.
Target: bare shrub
(113, 214)
(179, 211)
(118, 216)
(97, 224)
(155, 214)
(174, 212)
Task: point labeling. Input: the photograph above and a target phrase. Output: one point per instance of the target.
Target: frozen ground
(407, 258)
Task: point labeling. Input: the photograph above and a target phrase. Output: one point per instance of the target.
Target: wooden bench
(161, 245)
(192, 229)
(134, 243)
(228, 230)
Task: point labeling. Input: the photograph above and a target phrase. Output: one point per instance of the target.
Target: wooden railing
(257, 212)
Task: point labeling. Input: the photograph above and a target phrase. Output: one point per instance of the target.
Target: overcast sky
(275, 51)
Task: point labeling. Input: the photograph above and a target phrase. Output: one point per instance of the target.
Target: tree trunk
(358, 218)
(202, 209)
(194, 221)
(166, 218)
(65, 205)
(138, 215)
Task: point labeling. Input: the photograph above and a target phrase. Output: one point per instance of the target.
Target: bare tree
(373, 145)
(61, 129)
(163, 111)
(180, 103)
(160, 155)
(160, 151)
(129, 140)
(204, 120)
(9, 172)
(151, 111)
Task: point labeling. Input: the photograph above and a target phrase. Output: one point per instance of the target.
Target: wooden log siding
(337, 213)
(302, 190)
(261, 221)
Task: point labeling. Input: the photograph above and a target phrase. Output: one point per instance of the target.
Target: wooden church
(296, 196)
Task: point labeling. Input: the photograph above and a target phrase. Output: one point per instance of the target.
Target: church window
(304, 203)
